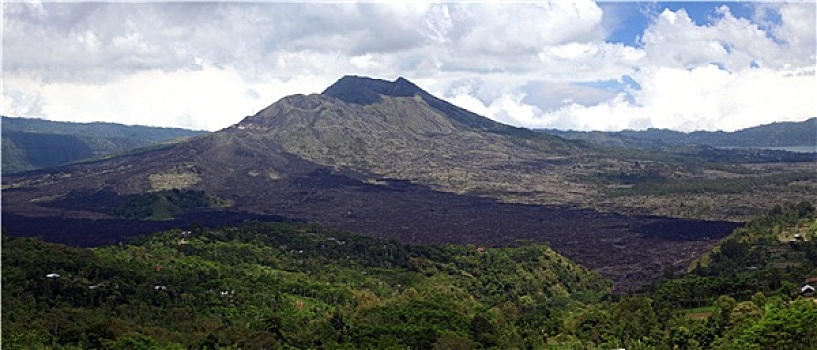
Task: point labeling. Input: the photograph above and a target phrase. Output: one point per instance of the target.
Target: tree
(453, 342)
(744, 312)
(724, 305)
(483, 331)
(636, 319)
(786, 327)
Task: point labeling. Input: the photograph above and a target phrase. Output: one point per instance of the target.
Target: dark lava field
(631, 250)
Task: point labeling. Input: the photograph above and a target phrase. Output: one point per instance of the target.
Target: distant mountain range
(387, 159)
(795, 136)
(30, 144)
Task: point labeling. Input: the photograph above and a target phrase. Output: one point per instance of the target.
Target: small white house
(52, 276)
(807, 290)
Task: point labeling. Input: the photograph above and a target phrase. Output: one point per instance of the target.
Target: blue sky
(628, 20)
(573, 64)
(631, 18)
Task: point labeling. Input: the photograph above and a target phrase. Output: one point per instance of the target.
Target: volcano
(381, 158)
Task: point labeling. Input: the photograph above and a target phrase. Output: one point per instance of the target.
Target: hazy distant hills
(35, 143)
(387, 159)
(800, 136)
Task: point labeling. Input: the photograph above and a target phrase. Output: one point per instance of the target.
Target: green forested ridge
(35, 143)
(768, 254)
(277, 285)
(744, 294)
(299, 286)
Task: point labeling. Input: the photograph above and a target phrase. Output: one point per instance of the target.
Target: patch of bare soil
(698, 315)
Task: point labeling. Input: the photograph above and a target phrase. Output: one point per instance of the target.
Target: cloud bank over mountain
(571, 65)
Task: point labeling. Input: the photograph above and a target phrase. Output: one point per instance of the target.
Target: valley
(424, 175)
(612, 244)
(282, 285)
(389, 160)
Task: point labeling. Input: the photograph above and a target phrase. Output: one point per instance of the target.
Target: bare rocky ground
(631, 250)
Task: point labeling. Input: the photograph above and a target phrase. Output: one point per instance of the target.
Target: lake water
(795, 149)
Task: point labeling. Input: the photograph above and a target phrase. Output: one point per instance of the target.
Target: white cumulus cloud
(727, 75)
(542, 64)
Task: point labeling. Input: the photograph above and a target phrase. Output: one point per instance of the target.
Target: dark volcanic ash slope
(343, 161)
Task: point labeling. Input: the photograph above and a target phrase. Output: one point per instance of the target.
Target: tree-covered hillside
(276, 285)
(284, 286)
(768, 254)
(747, 293)
(35, 143)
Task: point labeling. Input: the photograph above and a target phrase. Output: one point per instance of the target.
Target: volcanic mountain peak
(398, 106)
(364, 90)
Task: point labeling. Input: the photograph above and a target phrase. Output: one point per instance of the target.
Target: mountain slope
(397, 130)
(34, 143)
(26, 151)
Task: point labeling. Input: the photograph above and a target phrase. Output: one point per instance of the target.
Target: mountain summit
(364, 90)
(371, 105)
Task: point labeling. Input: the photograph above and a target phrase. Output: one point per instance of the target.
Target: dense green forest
(35, 143)
(270, 285)
(287, 286)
